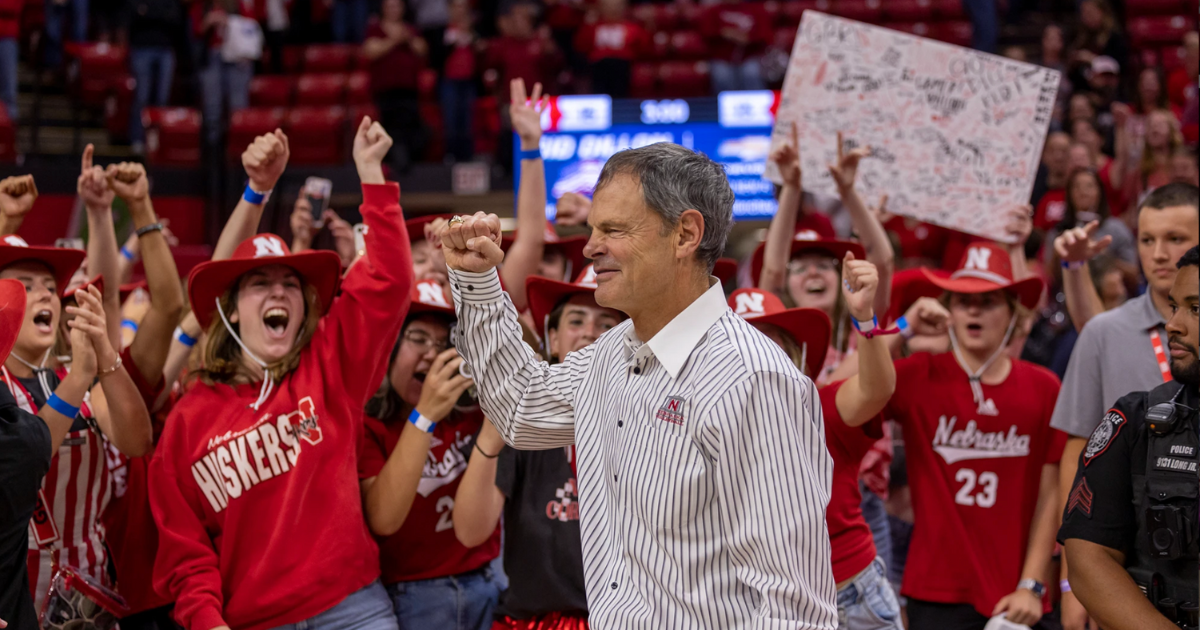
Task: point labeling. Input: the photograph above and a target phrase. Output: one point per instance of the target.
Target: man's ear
(689, 232)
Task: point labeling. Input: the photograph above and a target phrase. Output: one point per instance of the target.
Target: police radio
(1163, 417)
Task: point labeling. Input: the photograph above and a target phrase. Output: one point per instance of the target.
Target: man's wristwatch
(1034, 586)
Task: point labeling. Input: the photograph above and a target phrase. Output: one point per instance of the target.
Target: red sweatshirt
(259, 513)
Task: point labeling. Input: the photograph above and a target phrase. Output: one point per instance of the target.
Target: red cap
(725, 269)
(416, 225)
(908, 286)
(570, 247)
(807, 326)
(12, 314)
(97, 282)
(210, 280)
(62, 261)
(807, 241)
(544, 294)
(429, 297)
(985, 267)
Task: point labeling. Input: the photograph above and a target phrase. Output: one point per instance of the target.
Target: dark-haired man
(1130, 527)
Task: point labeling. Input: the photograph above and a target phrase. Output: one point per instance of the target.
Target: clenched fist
(472, 244)
(17, 195)
(265, 160)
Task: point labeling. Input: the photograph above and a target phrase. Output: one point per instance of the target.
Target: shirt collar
(674, 343)
(1146, 316)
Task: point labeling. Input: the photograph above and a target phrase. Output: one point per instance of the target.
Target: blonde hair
(223, 356)
(1149, 163)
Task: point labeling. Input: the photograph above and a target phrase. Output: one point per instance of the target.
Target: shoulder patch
(1104, 434)
(1081, 498)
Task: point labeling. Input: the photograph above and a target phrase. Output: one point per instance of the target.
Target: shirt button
(470, 287)
(613, 586)
(637, 370)
(620, 423)
(614, 477)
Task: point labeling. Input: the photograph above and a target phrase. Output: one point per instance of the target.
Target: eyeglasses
(424, 343)
(801, 267)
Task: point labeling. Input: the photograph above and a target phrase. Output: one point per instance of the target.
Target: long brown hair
(223, 355)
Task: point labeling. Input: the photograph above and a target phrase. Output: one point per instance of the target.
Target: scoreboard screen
(734, 129)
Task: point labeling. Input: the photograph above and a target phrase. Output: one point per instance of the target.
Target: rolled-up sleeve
(773, 475)
(531, 403)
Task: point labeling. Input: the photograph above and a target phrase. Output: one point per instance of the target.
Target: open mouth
(975, 329)
(815, 287)
(276, 320)
(42, 320)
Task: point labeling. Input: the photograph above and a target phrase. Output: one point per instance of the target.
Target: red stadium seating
(329, 57)
(247, 124)
(908, 10)
(8, 137)
(1160, 30)
(358, 88)
(271, 91)
(1135, 8)
(427, 81)
(861, 10)
(431, 116)
(1172, 57)
(785, 38)
(487, 125)
(643, 81)
(957, 33)
(916, 28)
(316, 135)
(355, 114)
(293, 59)
(656, 17)
(688, 45)
(790, 11)
(172, 136)
(683, 79)
(321, 89)
(949, 10)
(100, 67)
(118, 107)
(660, 45)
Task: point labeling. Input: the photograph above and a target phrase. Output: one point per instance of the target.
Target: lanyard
(1160, 355)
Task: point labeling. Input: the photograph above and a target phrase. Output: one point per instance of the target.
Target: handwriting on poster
(956, 135)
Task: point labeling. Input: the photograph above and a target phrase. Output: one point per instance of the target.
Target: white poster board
(956, 134)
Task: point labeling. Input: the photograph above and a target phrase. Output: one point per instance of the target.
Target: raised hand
(265, 160)
(880, 211)
(92, 185)
(302, 225)
(572, 209)
(17, 195)
(343, 236)
(443, 386)
(371, 144)
(1076, 245)
(1121, 113)
(860, 280)
(846, 169)
(89, 321)
(472, 244)
(927, 317)
(787, 157)
(1020, 225)
(526, 113)
(128, 180)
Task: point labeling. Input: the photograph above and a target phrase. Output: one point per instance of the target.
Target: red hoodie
(259, 513)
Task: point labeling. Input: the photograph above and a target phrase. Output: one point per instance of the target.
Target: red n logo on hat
(977, 258)
(750, 302)
(429, 292)
(267, 246)
(15, 241)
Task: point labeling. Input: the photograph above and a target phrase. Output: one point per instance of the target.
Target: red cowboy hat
(908, 286)
(808, 241)
(428, 297)
(97, 282)
(416, 225)
(128, 289)
(12, 314)
(545, 294)
(62, 262)
(986, 267)
(210, 280)
(809, 327)
(725, 269)
(570, 247)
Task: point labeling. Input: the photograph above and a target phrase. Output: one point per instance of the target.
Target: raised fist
(473, 243)
(128, 180)
(17, 195)
(371, 144)
(860, 279)
(265, 160)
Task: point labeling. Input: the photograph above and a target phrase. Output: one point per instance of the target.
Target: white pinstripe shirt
(703, 472)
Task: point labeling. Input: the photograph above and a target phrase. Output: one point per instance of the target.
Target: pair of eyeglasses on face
(424, 343)
(800, 267)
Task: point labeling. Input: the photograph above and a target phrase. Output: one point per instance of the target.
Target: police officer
(1130, 526)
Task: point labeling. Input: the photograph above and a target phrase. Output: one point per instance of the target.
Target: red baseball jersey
(425, 546)
(259, 513)
(974, 472)
(849, 535)
(74, 494)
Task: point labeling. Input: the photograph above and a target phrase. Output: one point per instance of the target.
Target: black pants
(923, 615)
(611, 77)
(400, 116)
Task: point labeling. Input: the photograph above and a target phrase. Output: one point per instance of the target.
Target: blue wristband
(130, 324)
(1073, 265)
(184, 338)
(127, 254)
(858, 325)
(255, 197)
(532, 154)
(421, 422)
(62, 406)
(905, 331)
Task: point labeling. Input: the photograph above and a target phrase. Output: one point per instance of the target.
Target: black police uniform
(1136, 492)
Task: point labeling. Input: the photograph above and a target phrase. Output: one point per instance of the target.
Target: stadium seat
(784, 38)
(1172, 57)
(316, 135)
(656, 17)
(321, 89)
(427, 82)
(247, 124)
(1159, 30)
(790, 11)
(957, 33)
(355, 114)
(118, 107)
(688, 45)
(358, 88)
(172, 136)
(100, 66)
(293, 59)
(431, 116)
(949, 10)
(868, 11)
(643, 81)
(8, 137)
(271, 90)
(683, 79)
(915, 28)
(1137, 8)
(329, 57)
(908, 10)
(660, 45)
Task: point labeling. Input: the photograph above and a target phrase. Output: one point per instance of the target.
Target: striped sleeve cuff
(476, 288)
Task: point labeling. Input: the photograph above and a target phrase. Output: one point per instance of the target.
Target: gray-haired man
(703, 474)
